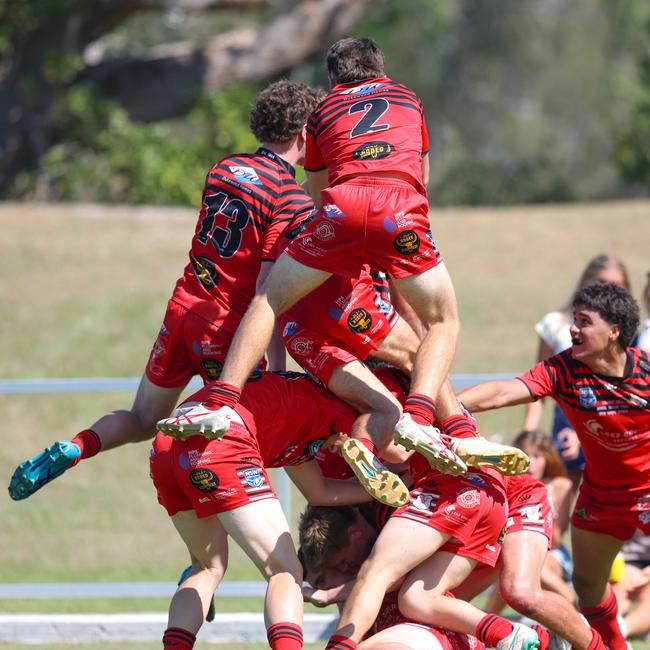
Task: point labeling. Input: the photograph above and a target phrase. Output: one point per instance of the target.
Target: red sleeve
(425, 133)
(270, 248)
(540, 379)
(313, 157)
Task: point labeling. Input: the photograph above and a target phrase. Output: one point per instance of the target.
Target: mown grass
(83, 292)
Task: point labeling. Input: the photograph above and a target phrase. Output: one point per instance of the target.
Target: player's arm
(276, 353)
(496, 394)
(425, 169)
(316, 183)
(321, 491)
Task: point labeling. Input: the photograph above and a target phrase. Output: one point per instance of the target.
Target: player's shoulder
(640, 362)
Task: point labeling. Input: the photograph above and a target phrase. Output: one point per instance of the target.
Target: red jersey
(371, 126)
(289, 415)
(611, 416)
(248, 200)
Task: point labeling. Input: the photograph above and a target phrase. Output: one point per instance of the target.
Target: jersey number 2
(226, 240)
(372, 109)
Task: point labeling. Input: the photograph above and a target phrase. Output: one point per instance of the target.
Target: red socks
(89, 443)
(597, 642)
(178, 639)
(459, 426)
(492, 629)
(602, 618)
(421, 408)
(339, 642)
(222, 394)
(543, 635)
(285, 636)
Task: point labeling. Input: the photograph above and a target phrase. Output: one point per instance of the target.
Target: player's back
(248, 200)
(373, 126)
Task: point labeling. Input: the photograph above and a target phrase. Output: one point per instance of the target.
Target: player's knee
(281, 561)
(522, 594)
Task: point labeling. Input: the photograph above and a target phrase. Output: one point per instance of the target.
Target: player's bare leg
(112, 430)
(593, 554)
(287, 283)
(402, 637)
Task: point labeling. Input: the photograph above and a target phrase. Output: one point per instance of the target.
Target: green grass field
(83, 291)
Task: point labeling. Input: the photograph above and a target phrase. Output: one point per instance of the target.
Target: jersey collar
(271, 155)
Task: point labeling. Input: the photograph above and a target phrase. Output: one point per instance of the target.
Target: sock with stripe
(340, 642)
(597, 642)
(285, 636)
(459, 426)
(89, 443)
(178, 639)
(602, 618)
(421, 408)
(543, 635)
(492, 629)
(222, 394)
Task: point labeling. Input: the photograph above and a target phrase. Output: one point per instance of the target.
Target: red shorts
(470, 508)
(209, 476)
(187, 345)
(530, 506)
(598, 510)
(379, 221)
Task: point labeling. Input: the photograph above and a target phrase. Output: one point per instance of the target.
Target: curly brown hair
(355, 59)
(543, 441)
(279, 112)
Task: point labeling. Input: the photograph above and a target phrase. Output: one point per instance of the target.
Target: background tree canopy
(133, 100)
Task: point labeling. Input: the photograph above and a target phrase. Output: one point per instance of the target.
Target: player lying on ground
(335, 542)
(603, 386)
(248, 201)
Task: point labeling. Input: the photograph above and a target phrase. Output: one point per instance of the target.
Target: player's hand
(569, 444)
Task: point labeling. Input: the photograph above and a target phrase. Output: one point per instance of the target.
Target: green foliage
(108, 158)
(633, 150)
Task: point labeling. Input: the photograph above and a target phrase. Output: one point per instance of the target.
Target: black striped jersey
(371, 126)
(611, 415)
(248, 201)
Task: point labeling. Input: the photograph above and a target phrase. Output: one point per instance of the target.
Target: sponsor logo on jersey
(587, 397)
(324, 231)
(290, 328)
(385, 307)
(245, 174)
(644, 517)
(364, 89)
(407, 242)
(212, 367)
(204, 479)
(359, 320)
(532, 513)
(253, 477)
(332, 211)
(163, 330)
(206, 272)
(373, 151)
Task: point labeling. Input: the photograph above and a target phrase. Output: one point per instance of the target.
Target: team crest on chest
(587, 397)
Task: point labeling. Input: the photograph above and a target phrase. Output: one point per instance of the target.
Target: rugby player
(248, 200)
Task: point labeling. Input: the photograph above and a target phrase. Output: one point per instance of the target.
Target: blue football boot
(209, 617)
(31, 475)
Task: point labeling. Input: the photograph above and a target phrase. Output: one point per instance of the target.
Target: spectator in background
(643, 340)
(633, 590)
(554, 337)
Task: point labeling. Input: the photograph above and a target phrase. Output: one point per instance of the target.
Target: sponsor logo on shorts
(468, 498)
(385, 307)
(335, 313)
(253, 477)
(363, 89)
(359, 320)
(206, 272)
(212, 367)
(245, 175)
(204, 479)
(407, 242)
(223, 494)
(324, 231)
(373, 151)
(332, 211)
(524, 497)
(430, 237)
(301, 346)
(389, 225)
(163, 330)
(477, 480)
(644, 517)
(423, 501)
(290, 328)
(587, 397)
(204, 499)
(158, 349)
